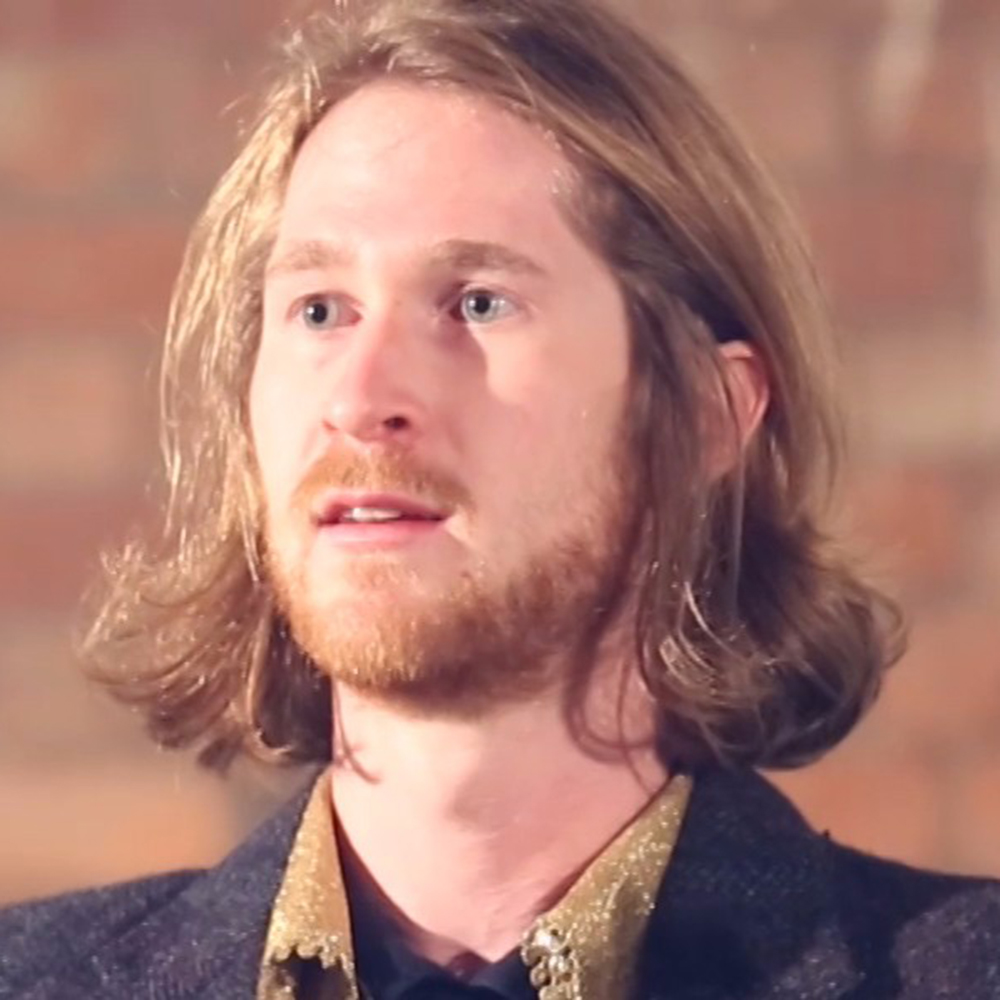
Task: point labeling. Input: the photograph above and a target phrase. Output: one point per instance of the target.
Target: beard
(491, 639)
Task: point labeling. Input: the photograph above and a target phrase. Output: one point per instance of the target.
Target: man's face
(437, 403)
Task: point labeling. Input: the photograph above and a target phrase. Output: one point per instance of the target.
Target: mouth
(372, 508)
(377, 519)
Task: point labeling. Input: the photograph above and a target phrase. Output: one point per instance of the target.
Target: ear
(738, 406)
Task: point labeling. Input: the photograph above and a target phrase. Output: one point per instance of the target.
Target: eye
(321, 312)
(480, 305)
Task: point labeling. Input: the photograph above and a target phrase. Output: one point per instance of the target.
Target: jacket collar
(748, 904)
(207, 941)
(747, 908)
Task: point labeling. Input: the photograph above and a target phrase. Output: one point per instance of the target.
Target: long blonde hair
(759, 643)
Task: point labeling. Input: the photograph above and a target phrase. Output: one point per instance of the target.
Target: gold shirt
(584, 948)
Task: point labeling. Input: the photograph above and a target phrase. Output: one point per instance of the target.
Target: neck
(493, 817)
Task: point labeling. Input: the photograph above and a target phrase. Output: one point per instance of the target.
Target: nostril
(396, 423)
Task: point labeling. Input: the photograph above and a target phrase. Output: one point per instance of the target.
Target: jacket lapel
(747, 907)
(207, 942)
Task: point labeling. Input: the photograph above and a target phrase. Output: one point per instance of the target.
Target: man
(497, 440)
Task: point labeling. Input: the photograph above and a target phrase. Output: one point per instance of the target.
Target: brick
(986, 553)
(800, 126)
(896, 242)
(739, 16)
(127, 129)
(979, 19)
(82, 23)
(695, 44)
(98, 184)
(75, 412)
(193, 123)
(887, 806)
(134, 816)
(49, 712)
(912, 523)
(21, 24)
(67, 125)
(945, 119)
(51, 546)
(922, 391)
(89, 273)
(974, 815)
(943, 699)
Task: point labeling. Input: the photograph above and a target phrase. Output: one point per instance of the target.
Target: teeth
(366, 515)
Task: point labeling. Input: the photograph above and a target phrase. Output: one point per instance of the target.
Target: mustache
(382, 472)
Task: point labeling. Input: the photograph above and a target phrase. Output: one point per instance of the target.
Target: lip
(389, 535)
(422, 521)
(328, 509)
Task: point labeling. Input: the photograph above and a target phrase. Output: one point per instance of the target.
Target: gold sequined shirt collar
(584, 948)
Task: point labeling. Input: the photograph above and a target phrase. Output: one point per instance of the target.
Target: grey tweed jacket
(754, 905)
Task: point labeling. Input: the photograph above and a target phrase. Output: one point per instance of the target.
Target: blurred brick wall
(882, 118)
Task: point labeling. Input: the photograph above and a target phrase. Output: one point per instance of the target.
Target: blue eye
(480, 305)
(321, 312)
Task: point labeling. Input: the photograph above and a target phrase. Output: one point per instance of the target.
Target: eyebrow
(473, 255)
(458, 254)
(308, 255)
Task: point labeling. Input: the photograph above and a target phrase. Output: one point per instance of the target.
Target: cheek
(276, 428)
(544, 453)
(570, 422)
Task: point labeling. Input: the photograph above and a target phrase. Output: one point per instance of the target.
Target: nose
(380, 386)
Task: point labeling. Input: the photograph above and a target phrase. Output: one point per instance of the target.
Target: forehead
(405, 161)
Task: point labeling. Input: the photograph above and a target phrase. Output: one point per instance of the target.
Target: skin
(523, 414)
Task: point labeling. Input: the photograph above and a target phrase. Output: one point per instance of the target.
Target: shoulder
(38, 937)
(754, 895)
(184, 934)
(936, 926)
